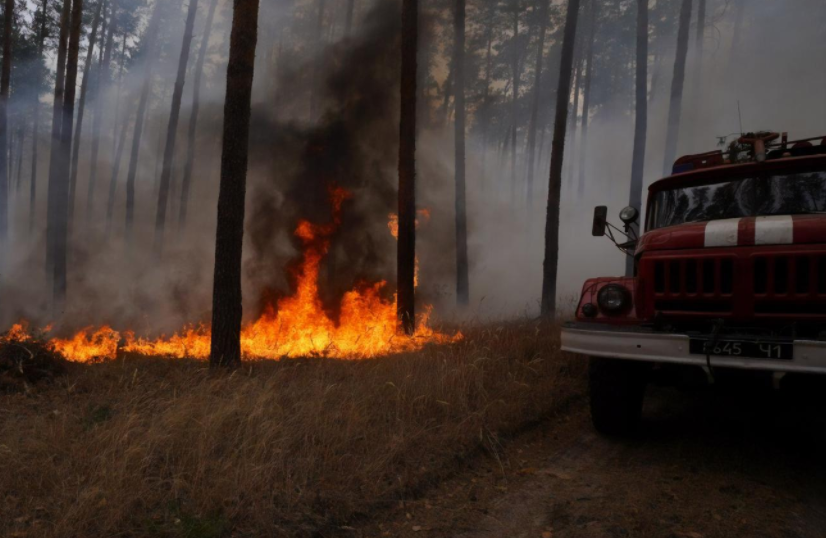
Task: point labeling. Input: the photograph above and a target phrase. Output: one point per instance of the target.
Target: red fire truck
(729, 276)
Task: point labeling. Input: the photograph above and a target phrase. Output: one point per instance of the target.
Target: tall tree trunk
(586, 96)
(537, 85)
(319, 37)
(641, 121)
(348, 24)
(485, 112)
(676, 105)
(102, 84)
(55, 169)
(563, 93)
(172, 130)
(193, 117)
(515, 97)
(226, 299)
(62, 194)
(462, 277)
(574, 115)
(5, 82)
(406, 258)
(41, 39)
(151, 38)
(84, 89)
(696, 80)
(21, 138)
(113, 181)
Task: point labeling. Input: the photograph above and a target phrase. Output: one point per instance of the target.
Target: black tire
(617, 394)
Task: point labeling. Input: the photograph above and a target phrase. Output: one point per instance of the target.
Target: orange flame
(297, 326)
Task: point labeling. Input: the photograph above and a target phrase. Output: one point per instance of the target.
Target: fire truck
(729, 277)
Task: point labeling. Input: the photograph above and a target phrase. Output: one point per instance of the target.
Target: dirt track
(707, 464)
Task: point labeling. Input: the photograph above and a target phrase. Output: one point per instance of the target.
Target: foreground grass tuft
(144, 447)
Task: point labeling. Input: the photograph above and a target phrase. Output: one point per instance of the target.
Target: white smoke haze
(776, 71)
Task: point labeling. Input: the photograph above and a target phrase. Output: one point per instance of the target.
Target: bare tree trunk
(550, 269)
(406, 259)
(151, 38)
(226, 299)
(641, 121)
(193, 117)
(676, 105)
(36, 127)
(514, 102)
(172, 131)
(574, 115)
(61, 241)
(84, 89)
(696, 81)
(348, 24)
(102, 84)
(5, 83)
(486, 98)
(586, 96)
(314, 89)
(113, 181)
(462, 277)
(21, 138)
(537, 85)
(57, 122)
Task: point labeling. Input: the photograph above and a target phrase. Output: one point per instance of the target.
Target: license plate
(744, 348)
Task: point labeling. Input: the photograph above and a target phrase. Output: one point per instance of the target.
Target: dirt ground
(710, 463)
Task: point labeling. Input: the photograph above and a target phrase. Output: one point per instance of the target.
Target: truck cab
(729, 275)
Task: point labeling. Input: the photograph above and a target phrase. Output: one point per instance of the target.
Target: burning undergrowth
(27, 359)
(320, 256)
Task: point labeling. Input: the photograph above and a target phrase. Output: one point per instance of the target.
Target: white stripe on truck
(722, 233)
(778, 230)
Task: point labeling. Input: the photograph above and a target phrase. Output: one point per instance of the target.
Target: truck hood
(729, 233)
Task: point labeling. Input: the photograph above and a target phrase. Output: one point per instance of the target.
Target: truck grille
(789, 284)
(746, 283)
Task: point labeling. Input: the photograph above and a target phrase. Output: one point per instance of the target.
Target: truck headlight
(614, 298)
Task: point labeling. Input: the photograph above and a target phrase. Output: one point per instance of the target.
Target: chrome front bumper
(809, 356)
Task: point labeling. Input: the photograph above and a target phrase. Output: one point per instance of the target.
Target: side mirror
(629, 215)
(600, 221)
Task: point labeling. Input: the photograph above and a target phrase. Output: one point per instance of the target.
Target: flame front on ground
(297, 326)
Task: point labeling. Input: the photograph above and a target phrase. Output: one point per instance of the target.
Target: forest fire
(296, 326)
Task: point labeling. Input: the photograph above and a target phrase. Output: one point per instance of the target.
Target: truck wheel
(617, 392)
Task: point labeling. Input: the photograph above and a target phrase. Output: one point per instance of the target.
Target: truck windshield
(790, 194)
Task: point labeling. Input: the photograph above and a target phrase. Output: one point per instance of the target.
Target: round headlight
(614, 298)
(629, 215)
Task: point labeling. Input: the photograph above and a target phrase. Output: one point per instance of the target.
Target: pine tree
(226, 299)
(550, 269)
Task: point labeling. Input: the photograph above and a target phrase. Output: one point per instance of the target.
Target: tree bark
(641, 121)
(586, 96)
(172, 130)
(677, 83)
(696, 80)
(57, 122)
(5, 83)
(113, 181)
(462, 277)
(62, 193)
(319, 37)
(515, 98)
(226, 300)
(84, 89)
(550, 268)
(36, 127)
(193, 118)
(102, 84)
(151, 39)
(406, 254)
(348, 23)
(485, 112)
(537, 84)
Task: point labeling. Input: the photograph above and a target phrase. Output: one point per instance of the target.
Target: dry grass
(164, 448)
